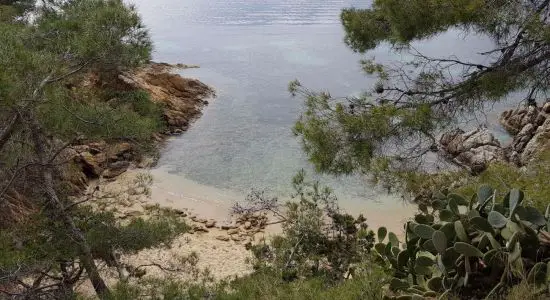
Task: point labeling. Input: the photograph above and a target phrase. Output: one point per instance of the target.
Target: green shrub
(317, 238)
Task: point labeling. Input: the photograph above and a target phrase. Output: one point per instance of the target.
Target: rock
(481, 137)
(210, 223)
(223, 238)
(247, 225)
(237, 238)
(91, 164)
(228, 226)
(474, 149)
(514, 120)
(233, 231)
(537, 143)
(199, 228)
(181, 98)
(546, 107)
(528, 129)
(540, 120)
(115, 169)
(120, 151)
(452, 141)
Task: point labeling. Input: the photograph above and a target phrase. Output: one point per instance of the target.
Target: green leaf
(398, 285)
(388, 251)
(436, 284)
(514, 227)
(424, 219)
(446, 215)
(516, 197)
(484, 193)
(450, 257)
(483, 242)
(424, 261)
(460, 232)
(380, 248)
(424, 231)
(473, 213)
(393, 239)
(422, 270)
(403, 258)
(467, 250)
(449, 230)
(482, 224)
(496, 219)
(429, 294)
(472, 202)
(459, 200)
(493, 241)
(439, 240)
(506, 233)
(382, 231)
(395, 251)
(428, 245)
(531, 214)
(453, 206)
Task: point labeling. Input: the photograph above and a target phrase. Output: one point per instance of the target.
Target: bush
(317, 240)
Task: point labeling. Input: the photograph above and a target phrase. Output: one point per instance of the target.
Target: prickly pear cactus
(477, 245)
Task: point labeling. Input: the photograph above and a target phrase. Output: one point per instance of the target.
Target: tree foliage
(46, 52)
(395, 126)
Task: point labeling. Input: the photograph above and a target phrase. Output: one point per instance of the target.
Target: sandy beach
(220, 254)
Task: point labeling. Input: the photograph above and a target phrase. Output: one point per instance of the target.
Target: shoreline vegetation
(87, 112)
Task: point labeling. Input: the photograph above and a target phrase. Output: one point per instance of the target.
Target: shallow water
(249, 51)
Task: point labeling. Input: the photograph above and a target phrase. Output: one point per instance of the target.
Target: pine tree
(40, 117)
(389, 131)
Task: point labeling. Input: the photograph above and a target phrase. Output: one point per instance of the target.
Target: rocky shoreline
(182, 100)
(475, 150)
(113, 176)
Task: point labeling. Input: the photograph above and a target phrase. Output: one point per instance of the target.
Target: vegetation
(50, 243)
(389, 131)
(491, 245)
(317, 239)
(472, 248)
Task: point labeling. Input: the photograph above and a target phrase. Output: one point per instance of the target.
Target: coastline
(223, 252)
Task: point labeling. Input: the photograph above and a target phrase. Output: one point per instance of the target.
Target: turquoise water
(249, 51)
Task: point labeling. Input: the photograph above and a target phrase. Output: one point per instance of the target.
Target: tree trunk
(86, 256)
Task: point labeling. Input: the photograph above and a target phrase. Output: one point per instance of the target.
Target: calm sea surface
(249, 50)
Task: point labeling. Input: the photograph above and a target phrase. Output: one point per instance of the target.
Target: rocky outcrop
(100, 159)
(529, 126)
(473, 150)
(182, 98)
